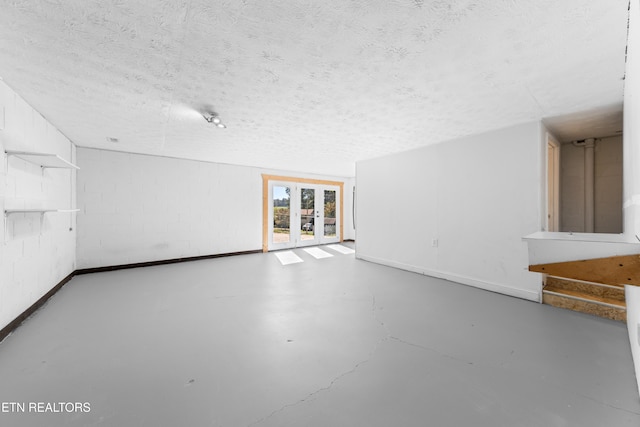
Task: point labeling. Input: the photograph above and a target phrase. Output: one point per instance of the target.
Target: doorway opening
(591, 185)
(584, 157)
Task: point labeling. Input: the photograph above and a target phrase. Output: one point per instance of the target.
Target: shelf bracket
(41, 212)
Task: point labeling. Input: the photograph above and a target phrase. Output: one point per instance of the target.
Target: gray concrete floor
(245, 341)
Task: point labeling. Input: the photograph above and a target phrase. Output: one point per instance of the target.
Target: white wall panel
(632, 297)
(631, 146)
(396, 208)
(456, 210)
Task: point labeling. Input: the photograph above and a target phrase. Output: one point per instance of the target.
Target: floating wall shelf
(39, 211)
(43, 160)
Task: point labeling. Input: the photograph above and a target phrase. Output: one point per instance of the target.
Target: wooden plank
(586, 296)
(596, 289)
(617, 270)
(619, 314)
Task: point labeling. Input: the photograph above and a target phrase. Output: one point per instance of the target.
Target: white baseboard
(453, 277)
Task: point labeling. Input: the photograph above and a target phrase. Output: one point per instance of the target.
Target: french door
(302, 214)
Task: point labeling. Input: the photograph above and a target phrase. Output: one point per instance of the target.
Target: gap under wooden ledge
(551, 247)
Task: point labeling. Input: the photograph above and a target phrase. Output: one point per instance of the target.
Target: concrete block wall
(36, 251)
(139, 208)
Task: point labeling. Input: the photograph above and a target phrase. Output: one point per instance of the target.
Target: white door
(330, 197)
(318, 208)
(280, 216)
(310, 213)
(302, 215)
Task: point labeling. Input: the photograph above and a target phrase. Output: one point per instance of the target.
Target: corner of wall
(631, 134)
(37, 248)
(631, 158)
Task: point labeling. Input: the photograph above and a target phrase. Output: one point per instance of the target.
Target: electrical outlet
(434, 243)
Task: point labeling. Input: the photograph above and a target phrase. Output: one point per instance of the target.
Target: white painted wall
(631, 167)
(139, 208)
(607, 189)
(631, 127)
(34, 256)
(632, 297)
(478, 196)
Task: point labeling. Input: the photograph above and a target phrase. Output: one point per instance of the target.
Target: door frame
(266, 179)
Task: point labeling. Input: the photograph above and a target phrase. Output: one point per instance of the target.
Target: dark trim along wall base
(161, 262)
(35, 306)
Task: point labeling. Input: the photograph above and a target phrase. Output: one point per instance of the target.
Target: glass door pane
(281, 214)
(307, 214)
(301, 214)
(330, 221)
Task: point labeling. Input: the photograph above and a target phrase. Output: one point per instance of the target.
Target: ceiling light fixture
(213, 118)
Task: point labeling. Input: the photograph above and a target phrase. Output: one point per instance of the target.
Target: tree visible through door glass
(281, 214)
(307, 213)
(329, 213)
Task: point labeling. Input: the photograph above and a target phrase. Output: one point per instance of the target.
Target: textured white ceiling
(305, 85)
